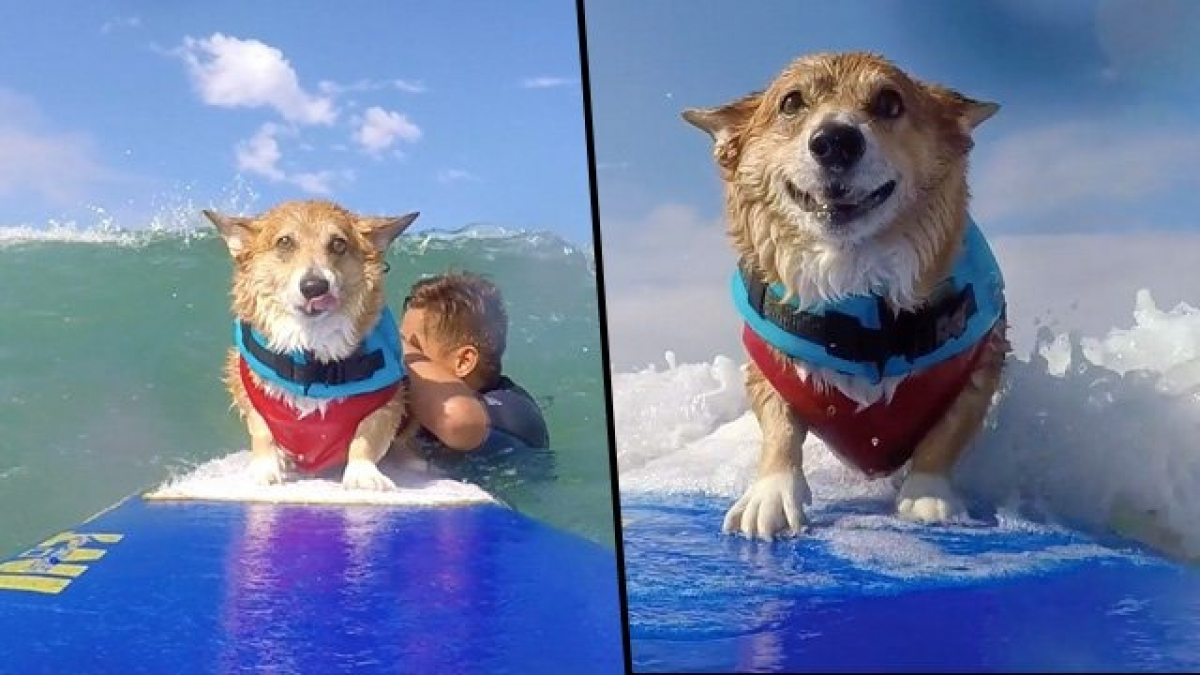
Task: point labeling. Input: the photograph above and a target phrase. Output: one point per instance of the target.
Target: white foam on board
(226, 479)
(898, 551)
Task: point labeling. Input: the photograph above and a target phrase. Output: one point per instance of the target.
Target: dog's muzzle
(837, 210)
(317, 294)
(837, 147)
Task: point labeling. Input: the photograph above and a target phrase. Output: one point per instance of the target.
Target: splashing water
(1095, 433)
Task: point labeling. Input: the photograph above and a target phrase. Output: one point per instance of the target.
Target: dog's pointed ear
(725, 124)
(722, 121)
(970, 112)
(978, 112)
(383, 230)
(238, 231)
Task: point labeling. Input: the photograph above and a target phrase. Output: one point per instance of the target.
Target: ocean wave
(68, 233)
(495, 236)
(498, 238)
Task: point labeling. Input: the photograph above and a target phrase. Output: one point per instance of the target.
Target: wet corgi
(873, 306)
(316, 369)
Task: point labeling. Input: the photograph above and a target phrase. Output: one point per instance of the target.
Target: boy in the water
(454, 330)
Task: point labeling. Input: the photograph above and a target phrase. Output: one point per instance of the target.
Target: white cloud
(316, 183)
(1087, 282)
(260, 155)
(229, 72)
(671, 243)
(331, 88)
(119, 22)
(364, 85)
(1055, 168)
(455, 176)
(410, 86)
(546, 82)
(380, 129)
(35, 161)
(666, 279)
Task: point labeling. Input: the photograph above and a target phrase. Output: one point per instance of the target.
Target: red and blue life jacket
(935, 347)
(355, 387)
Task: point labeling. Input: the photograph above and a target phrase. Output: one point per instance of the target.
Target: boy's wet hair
(462, 308)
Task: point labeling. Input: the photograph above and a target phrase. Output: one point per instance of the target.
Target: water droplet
(875, 441)
(832, 410)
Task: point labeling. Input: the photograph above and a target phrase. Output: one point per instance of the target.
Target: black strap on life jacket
(354, 368)
(911, 334)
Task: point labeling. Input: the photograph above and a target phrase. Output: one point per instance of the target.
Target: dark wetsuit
(515, 417)
(517, 445)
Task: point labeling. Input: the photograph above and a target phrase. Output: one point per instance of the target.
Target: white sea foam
(177, 215)
(534, 244)
(225, 479)
(63, 232)
(1097, 432)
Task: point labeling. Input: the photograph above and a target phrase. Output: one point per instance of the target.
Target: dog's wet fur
(846, 176)
(308, 275)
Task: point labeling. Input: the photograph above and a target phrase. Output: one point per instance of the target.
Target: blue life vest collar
(860, 335)
(376, 364)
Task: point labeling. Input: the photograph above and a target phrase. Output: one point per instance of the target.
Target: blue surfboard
(864, 591)
(206, 587)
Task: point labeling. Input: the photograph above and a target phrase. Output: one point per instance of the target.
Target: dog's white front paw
(928, 498)
(364, 475)
(773, 506)
(266, 469)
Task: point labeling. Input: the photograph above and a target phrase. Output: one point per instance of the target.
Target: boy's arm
(443, 405)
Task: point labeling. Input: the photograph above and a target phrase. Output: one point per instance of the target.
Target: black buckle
(334, 373)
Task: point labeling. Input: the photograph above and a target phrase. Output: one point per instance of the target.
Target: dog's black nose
(313, 287)
(837, 146)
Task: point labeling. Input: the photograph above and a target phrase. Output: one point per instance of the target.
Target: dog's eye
(285, 243)
(792, 103)
(887, 104)
(337, 245)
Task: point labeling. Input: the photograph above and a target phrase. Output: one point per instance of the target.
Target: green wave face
(111, 347)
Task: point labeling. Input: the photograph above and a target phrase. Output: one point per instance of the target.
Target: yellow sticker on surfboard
(52, 565)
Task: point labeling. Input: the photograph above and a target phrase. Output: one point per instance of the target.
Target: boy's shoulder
(514, 411)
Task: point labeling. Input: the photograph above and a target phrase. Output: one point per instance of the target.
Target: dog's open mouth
(319, 305)
(839, 212)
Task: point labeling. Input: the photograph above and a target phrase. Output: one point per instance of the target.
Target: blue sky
(1113, 81)
(1099, 130)
(466, 111)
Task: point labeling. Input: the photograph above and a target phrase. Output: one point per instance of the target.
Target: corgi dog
(316, 369)
(873, 308)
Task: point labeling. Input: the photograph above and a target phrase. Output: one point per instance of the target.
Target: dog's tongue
(321, 303)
